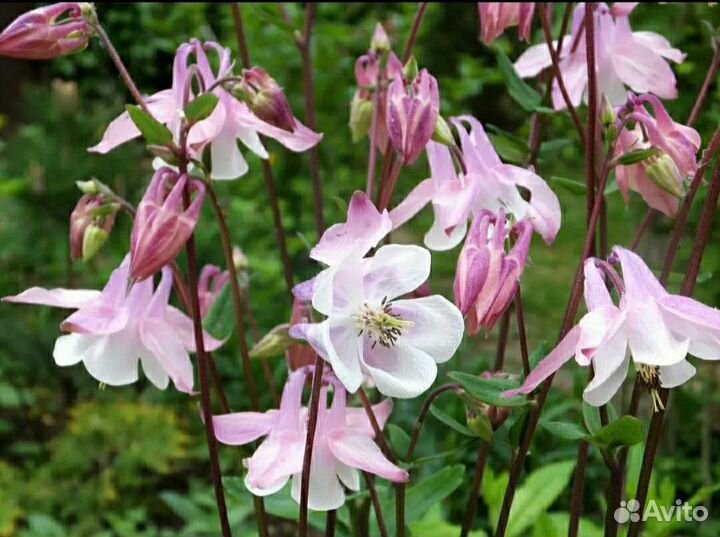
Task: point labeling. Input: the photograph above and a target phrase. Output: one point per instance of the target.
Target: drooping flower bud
(495, 416)
(90, 224)
(162, 223)
(361, 111)
(41, 34)
(380, 41)
(412, 113)
(442, 133)
(487, 277)
(265, 98)
(273, 344)
(496, 17)
(410, 69)
(663, 171)
(210, 284)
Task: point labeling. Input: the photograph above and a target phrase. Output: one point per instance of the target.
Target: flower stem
(471, 508)
(642, 229)
(119, 65)
(423, 414)
(592, 113)
(375, 499)
(267, 168)
(309, 444)
(576, 500)
(502, 340)
(558, 74)
(522, 334)
(702, 96)
(236, 298)
(305, 51)
(372, 151)
(414, 31)
(330, 523)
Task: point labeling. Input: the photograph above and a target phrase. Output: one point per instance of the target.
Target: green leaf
(571, 185)
(154, 132)
(539, 491)
(633, 157)
(488, 390)
(220, 320)
(518, 426)
(557, 524)
(399, 439)
(591, 417)
(269, 13)
(201, 107)
(509, 147)
(518, 89)
(562, 429)
(433, 524)
(451, 422)
(625, 431)
(538, 354)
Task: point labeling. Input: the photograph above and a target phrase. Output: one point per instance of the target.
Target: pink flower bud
(162, 223)
(412, 113)
(266, 98)
(487, 277)
(380, 41)
(496, 17)
(300, 355)
(88, 214)
(38, 35)
(210, 284)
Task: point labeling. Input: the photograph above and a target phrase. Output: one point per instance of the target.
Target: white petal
(349, 476)
(437, 325)
(59, 298)
(401, 371)
(395, 270)
(436, 238)
(651, 342)
(343, 346)
(674, 375)
(610, 362)
(113, 359)
(154, 371)
(600, 393)
(70, 349)
(325, 491)
(227, 160)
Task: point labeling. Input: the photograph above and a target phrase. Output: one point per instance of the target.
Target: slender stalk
(558, 74)
(306, 53)
(437, 392)
(309, 444)
(218, 384)
(267, 168)
(522, 335)
(642, 229)
(388, 185)
(236, 298)
(576, 501)
(204, 385)
(119, 65)
(370, 481)
(379, 436)
(372, 151)
(414, 31)
(592, 108)
(704, 90)
(614, 495)
(502, 340)
(471, 509)
(330, 523)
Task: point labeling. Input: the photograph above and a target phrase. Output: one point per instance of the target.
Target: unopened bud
(380, 42)
(88, 187)
(663, 171)
(265, 98)
(361, 112)
(240, 260)
(442, 133)
(607, 112)
(479, 423)
(272, 344)
(93, 240)
(410, 70)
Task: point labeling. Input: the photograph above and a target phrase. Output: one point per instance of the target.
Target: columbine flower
(41, 34)
(230, 121)
(658, 179)
(412, 113)
(210, 284)
(496, 17)
(658, 328)
(486, 277)
(343, 445)
(162, 224)
(89, 228)
(623, 58)
(114, 329)
(368, 330)
(489, 184)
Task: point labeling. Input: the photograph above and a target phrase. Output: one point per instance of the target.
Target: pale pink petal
(643, 69)
(623, 9)
(395, 270)
(640, 282)
(660, 45)
(325, 491)
(300, 140)
(227, 161)
(401, 371)
(183, 327)
(690, 318)
(597, 327)
(672, 376)
(610, 364)
(59, 298)
(357, 418)
(242, 428)
(438, 239)
(162, 342)
(413, 203)
(534, 60)
(278, 457)
(544, 208)
(650, 339)
(574, 70)
(360, 451)
(596, 292)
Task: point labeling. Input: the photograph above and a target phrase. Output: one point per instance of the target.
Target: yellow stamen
(381, 324)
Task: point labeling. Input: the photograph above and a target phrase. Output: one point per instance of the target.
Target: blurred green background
(82, 461)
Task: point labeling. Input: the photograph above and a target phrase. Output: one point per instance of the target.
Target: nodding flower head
(265, 98)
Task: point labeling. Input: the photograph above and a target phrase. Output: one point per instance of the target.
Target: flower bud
(88, 187)
(380, 42)
(162, 223)
(93, 240)
(265, 98)
(211, 283)
(412, 113)
(273, 344)
(240, 260)
(90, 224)
(410, 70)
(663, 171)
(442, 133)
(39, 35)
(361, 112)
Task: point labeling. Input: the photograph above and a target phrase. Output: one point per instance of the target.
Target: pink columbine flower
(496, 17)
(162, 223)
(623, 58)
(115, 328)
(659, 179)
(487, 277)
(343, 445)
(412, 113)
(230, 121)
(370, 331)
(41, 34)
(211, 283)
(657, 328)
(488, 184)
